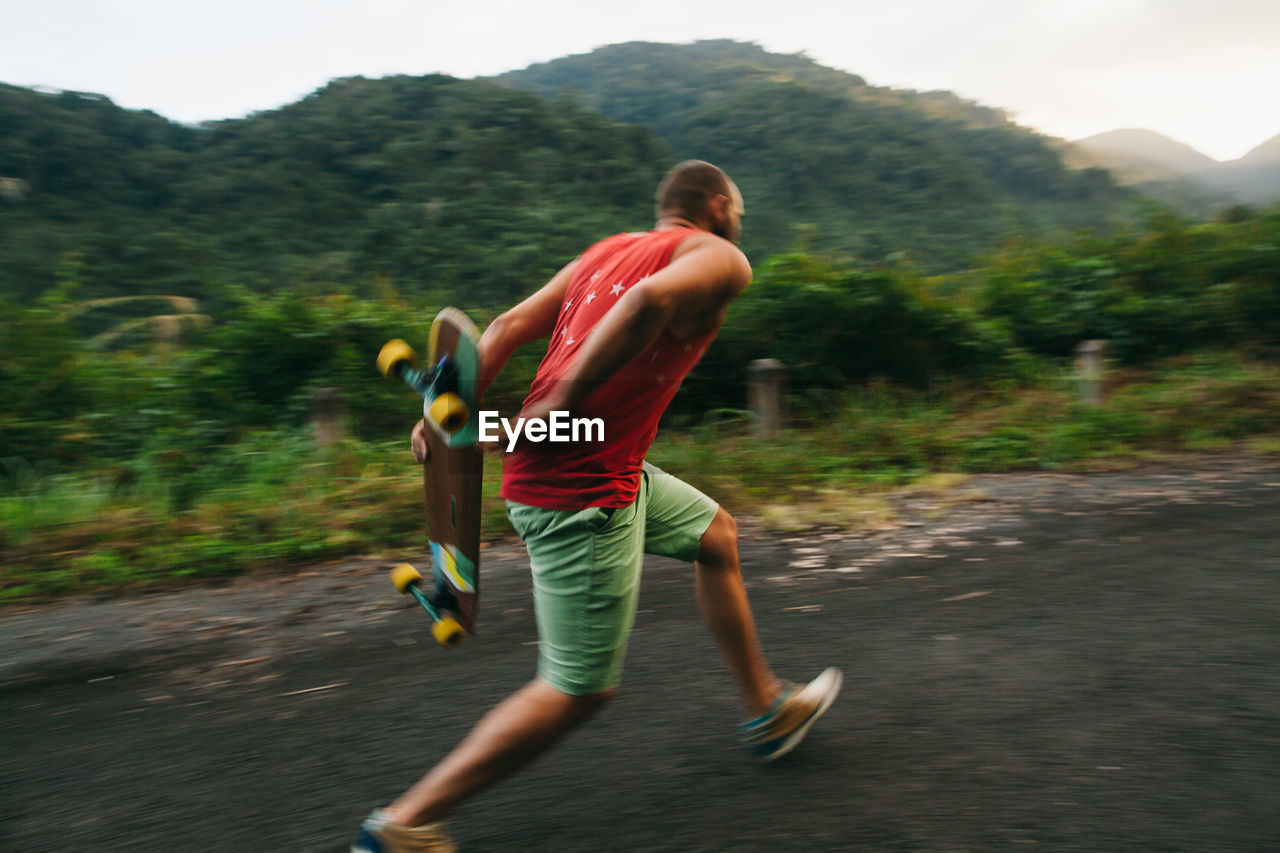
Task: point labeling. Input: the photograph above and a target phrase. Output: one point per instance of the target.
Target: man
(627, 320)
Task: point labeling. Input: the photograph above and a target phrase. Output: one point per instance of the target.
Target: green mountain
(428, 183)
(476, 190)
(872, 170)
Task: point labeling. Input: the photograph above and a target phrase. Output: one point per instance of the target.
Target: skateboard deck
(452, 474)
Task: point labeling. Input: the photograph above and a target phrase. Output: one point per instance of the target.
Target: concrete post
(767, 395)
(327, 413)
(1089, 358)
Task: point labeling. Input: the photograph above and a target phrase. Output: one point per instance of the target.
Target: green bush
(1173, 289)
(835, 325)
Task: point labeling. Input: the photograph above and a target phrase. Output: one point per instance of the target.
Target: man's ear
(718, 208)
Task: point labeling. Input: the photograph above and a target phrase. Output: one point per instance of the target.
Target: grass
(275, 501)
(880, 439)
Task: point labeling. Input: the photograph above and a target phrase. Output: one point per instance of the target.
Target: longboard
(452, 474)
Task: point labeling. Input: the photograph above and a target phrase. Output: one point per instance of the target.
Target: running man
(627, 321)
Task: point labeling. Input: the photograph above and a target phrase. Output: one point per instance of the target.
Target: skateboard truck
(438, 383)
(444, 628)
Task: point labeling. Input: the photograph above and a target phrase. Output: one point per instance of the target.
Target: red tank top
(603, 473)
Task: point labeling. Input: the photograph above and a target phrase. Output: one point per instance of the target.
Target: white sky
(1205, 72)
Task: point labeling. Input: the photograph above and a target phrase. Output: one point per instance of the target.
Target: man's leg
(586, 578)
(513, 733)
(722, 596)
(683, 523)
(782, 713)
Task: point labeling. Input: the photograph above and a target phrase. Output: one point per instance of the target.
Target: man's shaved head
(688, 190)
(688, 187)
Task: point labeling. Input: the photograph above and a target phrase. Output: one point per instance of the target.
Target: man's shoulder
(699, 240)
(612, 242)
(715, 253)
(627, 241)
(710, 247)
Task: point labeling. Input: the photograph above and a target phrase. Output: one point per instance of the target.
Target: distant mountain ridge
(1140, 151)
(1265, 152)
(1157, 164)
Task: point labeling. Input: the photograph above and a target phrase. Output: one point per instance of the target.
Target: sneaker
(379, 835)
(787, 721)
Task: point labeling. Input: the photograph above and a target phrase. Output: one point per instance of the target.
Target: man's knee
(719, 544)
(572, 706)
(586, 704)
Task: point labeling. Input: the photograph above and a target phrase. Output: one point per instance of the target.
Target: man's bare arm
(533, 318)
(528, 321)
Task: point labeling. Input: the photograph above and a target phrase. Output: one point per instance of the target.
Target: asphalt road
(1061, 662)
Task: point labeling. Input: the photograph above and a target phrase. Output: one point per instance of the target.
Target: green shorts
(586, 574)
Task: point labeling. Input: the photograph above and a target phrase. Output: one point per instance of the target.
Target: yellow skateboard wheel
(448, 632)
(450, 412)
(404, 576)
(394, 352)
